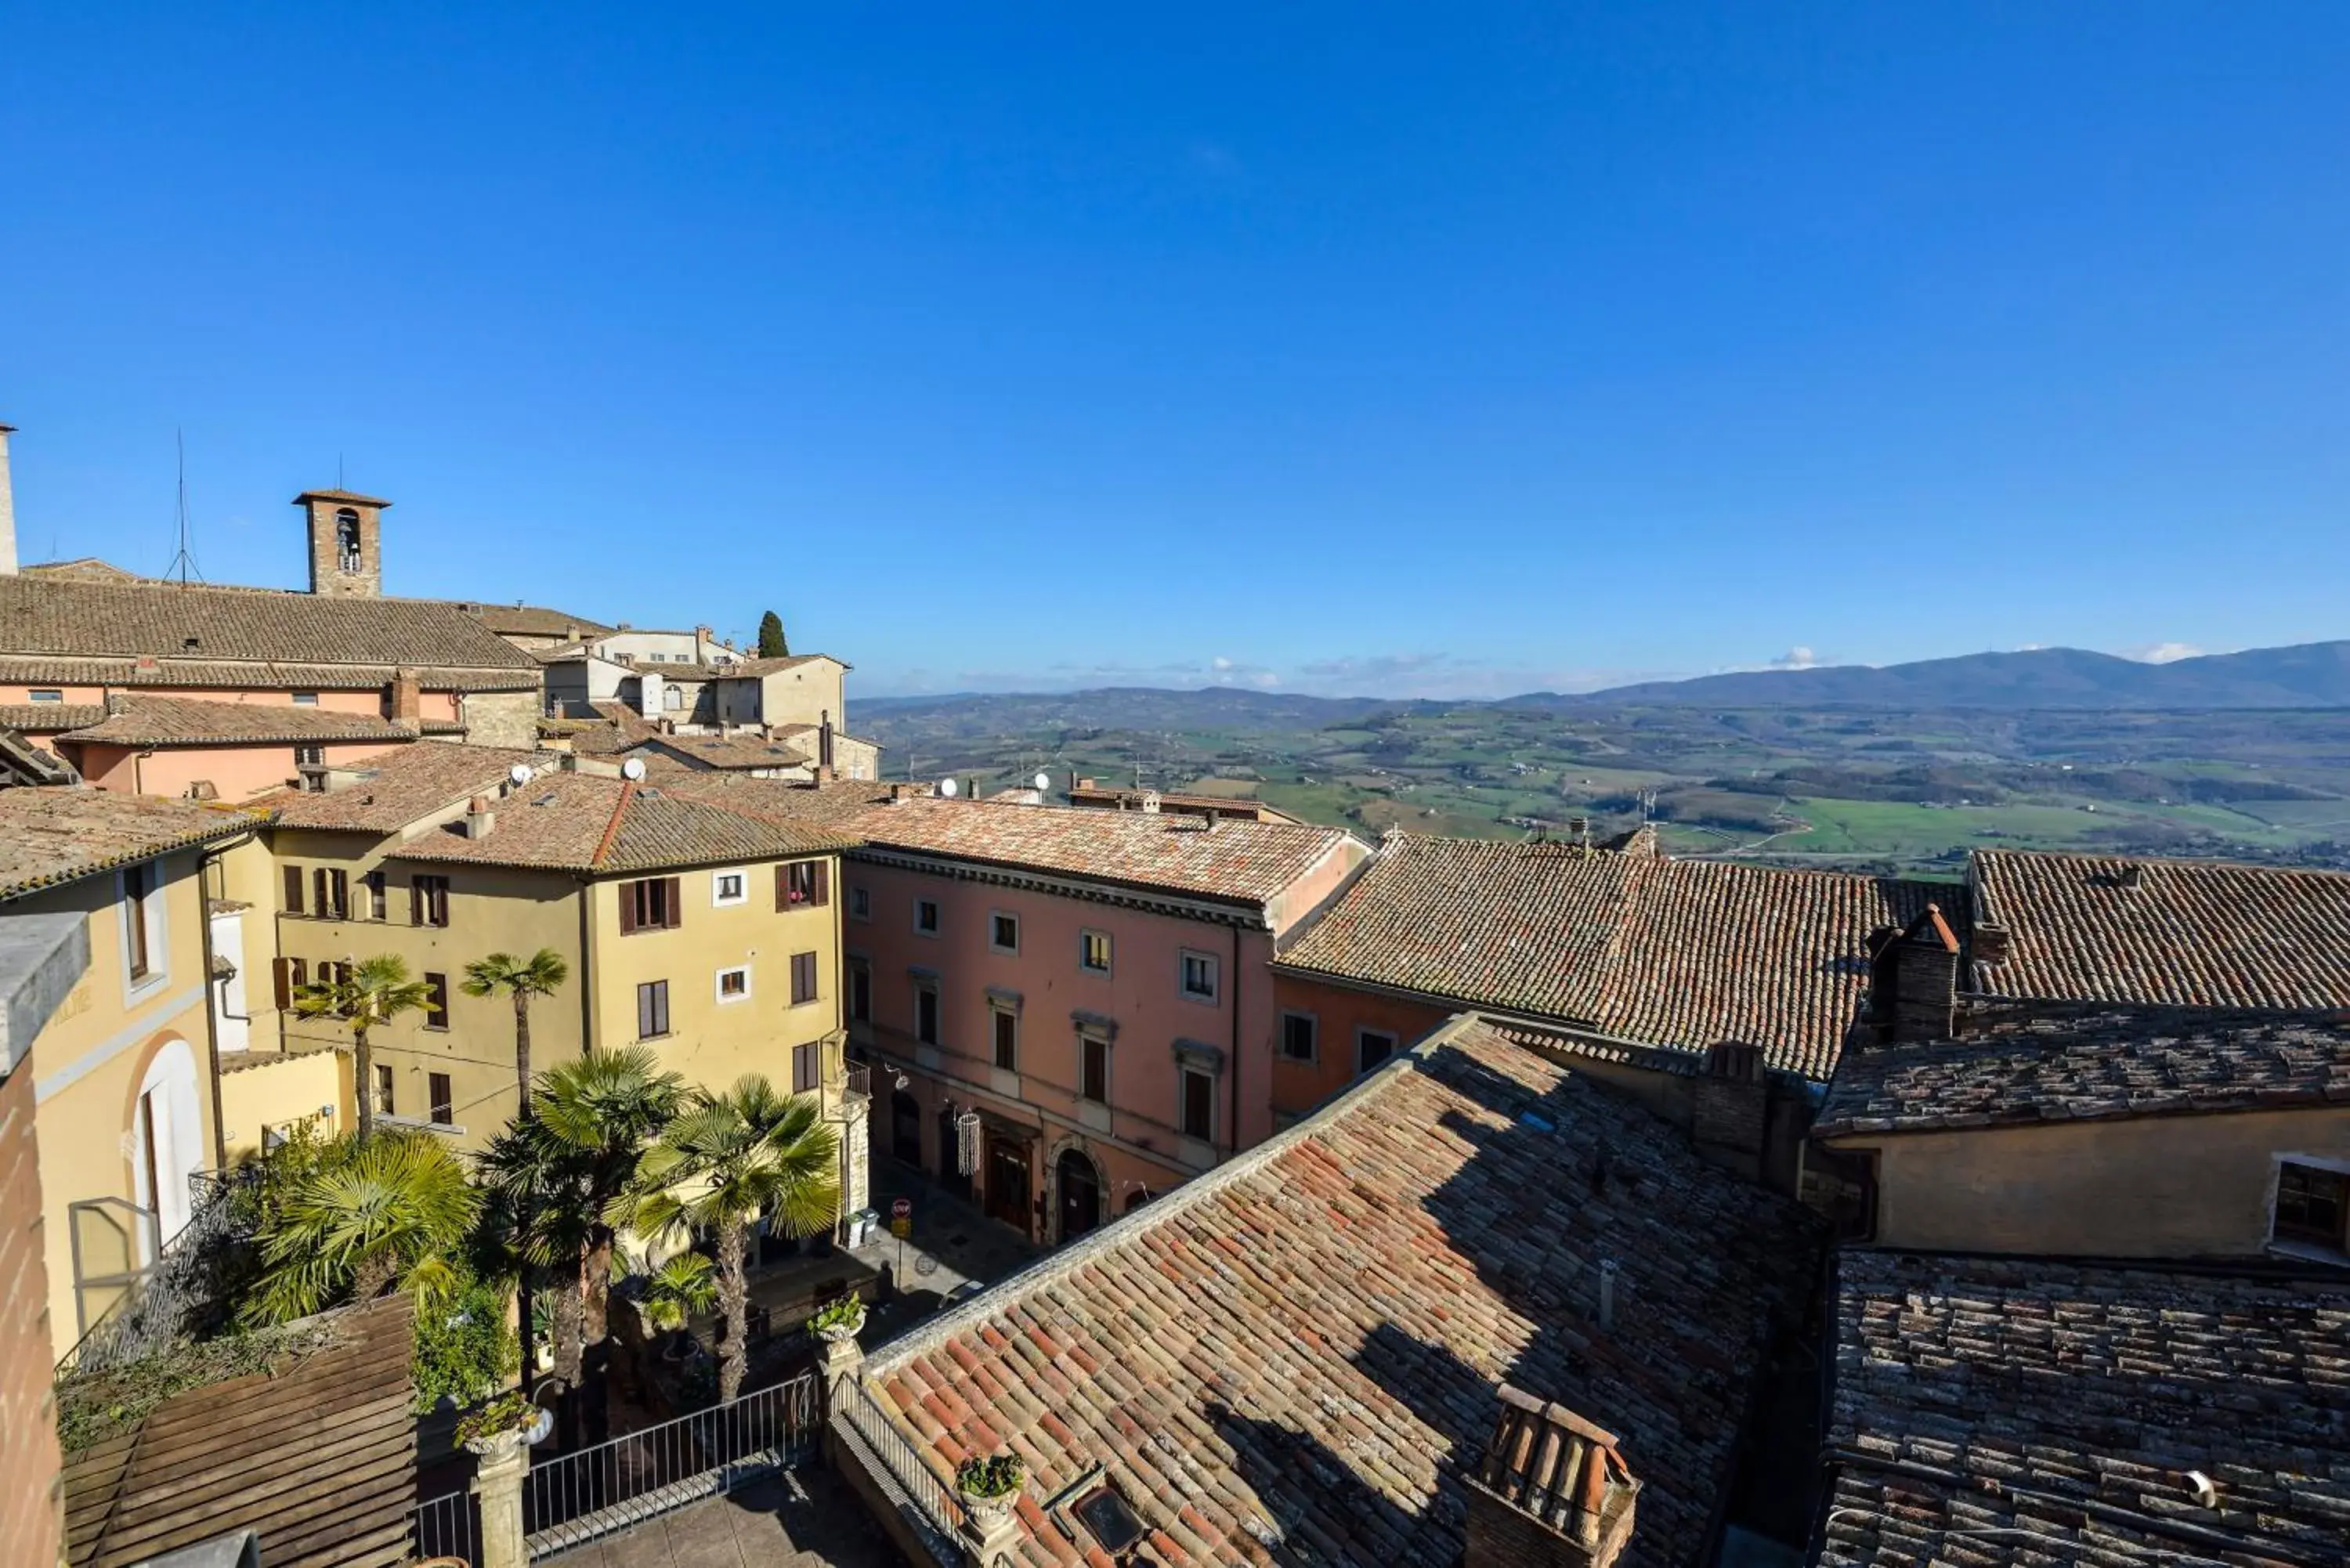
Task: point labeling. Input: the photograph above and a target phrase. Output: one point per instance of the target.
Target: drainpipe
(586, 970)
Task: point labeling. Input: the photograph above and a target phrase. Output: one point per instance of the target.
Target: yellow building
(105, 962)
(709, 934)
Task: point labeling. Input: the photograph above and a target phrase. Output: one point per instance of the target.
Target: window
(436, 1001)
(926, 916)
(728, 887)
(1199, 1106)
(1093, 1068)
(671, 696)
(1198, 977)
(803, 885)
(926, 1015)
(1298, 1037)
(309, 756)
(1372, 1047)
(292, 975)
(1103, 1511)
(46, 696)
(2312, 1202)
(803, 978)
(428, 901)
(347, 538)
(383, 1103)
(734, 984)
(652, 1010)
(860, 991)
(295, 882)
(1004, 933)
(1092, 952)
(1007, 1039)
(860, 903)
(375, 883)
(650, 905)
(331, 890)
(138, 891)
(444, 1103)
(306, 699)
(807, 1068)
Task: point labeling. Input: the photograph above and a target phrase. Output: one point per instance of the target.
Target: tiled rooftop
(732, 753)
(60, 617)
(2185, 933)
(1670, 952)
(49, 718)
(275, 675)
(829, 804)
(61, 834)
(581, 823)
(2020, 1394)
(390, 791)
(531, 620)
(2121, 1062)
(1296, 1358)
(139, 720)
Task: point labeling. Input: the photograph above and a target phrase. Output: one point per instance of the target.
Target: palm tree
(541, 974)
(365, 995)
(725, 1160)
(680, 1287)
(369, 1214)
(590, 1120)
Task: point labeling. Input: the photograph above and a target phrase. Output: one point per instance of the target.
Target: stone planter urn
(988, 1490)
(987, 1513)
(842, 1333)
(513, 1439)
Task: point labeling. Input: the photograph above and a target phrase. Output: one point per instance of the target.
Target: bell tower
(346, 543)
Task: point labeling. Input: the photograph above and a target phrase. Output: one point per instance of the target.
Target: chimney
(1989, 944)
(1730, 1107)
(1150, 802)
(1084, 784)
(1552, 1491)
(2132, 875)
(404, 698)
(1913, 982)
(824, 742)
(479, 817)
(1607, 1295)
(7, 509)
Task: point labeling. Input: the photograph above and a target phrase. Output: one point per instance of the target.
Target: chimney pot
(1551, 1491)
(7, 509)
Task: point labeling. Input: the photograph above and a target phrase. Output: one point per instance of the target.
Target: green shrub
(1002, 1476)
(507, 1413)
(841, 1313)
(95, 1406)
(463, 1349)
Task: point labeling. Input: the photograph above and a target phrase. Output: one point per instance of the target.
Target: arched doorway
(905, 1128)
(167, 1137)
(951, 1172)
(1080, 1189)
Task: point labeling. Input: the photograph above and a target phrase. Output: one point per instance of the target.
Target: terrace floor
(800, 1519)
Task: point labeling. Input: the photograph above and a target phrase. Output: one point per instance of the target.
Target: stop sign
(901, 1209)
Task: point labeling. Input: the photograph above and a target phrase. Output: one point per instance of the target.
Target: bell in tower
(346, 543)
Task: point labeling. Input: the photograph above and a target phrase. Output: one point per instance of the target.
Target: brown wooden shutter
(282, 974)
(676, 901)
(628, 908)
(415, 900)
(293, 889)
(823, 870)
(782, 887)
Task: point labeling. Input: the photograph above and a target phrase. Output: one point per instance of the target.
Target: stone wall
(502, 719)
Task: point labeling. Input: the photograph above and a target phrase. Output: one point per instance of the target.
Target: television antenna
(184, 562)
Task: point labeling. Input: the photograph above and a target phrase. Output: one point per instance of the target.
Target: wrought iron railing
(856, 1083)
(933, 1499)
(184, 1290)
(448, 1526)
(578, 1497)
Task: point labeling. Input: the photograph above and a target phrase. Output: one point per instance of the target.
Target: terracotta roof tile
(61, 833)
(49, 718)
(2098, 1066)
(2018, 1390)
(2183, 933)
(731, 752)
(63, 618)
(1296, 1358)
(387, 792)
(829, 805)
(44, 669)
(593, 825)
(531, 620)
(145, 720)
(1670, 952)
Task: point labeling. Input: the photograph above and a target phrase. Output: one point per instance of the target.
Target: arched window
(167, 1137)
(347, 539)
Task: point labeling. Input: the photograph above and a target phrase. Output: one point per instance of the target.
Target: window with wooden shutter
(331, 886)
(673, 902)
(283, 974)
(436, 1001)
(807, 1068)
(428, 901)
(803, 978)
(293, 889)
(444, 1103)
(803, 885)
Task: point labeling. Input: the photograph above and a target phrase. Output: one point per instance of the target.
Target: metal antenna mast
(184, 562)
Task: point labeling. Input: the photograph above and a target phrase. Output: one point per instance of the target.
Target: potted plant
(506, 1423)
(989, 1487)
(680, 1287)
(840, 1321)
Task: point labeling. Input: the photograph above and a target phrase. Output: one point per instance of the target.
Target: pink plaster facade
(237, 772)
(1043, 1140)
(435, 707)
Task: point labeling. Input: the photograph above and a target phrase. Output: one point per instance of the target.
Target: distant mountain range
(2310, 675)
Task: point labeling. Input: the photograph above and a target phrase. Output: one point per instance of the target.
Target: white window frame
(719, 900)
(1108, 941)
(159, 932)
(1281, 1049)
(938, 920)
(996, 947)
(1214, 995)
(1363, 1032)
(2290, 1246)
(717, 985)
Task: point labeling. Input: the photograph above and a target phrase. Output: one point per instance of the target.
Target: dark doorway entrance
(1080, 1195)
(1007, 1181)
(906, 1128)
(951, 1172)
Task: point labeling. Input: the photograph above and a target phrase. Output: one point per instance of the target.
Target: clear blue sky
(1394, 349)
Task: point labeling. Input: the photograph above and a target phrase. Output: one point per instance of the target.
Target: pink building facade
(1069, 1046)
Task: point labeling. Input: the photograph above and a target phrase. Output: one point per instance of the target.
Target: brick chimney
(1913, 980)
(479, 817)
(824, 742)
(1551, 1491)
(7, 509)
(403, 699)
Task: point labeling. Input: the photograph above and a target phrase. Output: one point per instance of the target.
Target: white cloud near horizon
(1440, 677)
(2162, 652)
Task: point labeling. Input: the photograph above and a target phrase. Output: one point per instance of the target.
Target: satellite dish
(519, 773)
(1044, 781)
(949, 788)
(633, 769)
